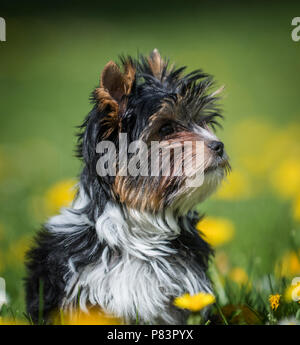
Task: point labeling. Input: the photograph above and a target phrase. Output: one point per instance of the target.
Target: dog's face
(170, 115)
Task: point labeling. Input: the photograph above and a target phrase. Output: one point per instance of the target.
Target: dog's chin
(190, 197)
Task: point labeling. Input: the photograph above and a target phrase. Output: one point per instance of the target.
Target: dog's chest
(136, 288)
(139, 271)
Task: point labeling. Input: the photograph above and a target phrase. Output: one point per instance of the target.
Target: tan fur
(114, 85)
(156, 63)
(148, 193)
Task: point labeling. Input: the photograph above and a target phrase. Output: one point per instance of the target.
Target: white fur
(145, 278)
(195, 195)
(69, 218)
(139, 272)
(205, 133)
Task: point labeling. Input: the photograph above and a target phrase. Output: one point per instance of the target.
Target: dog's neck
(140, 233)
(143, 235)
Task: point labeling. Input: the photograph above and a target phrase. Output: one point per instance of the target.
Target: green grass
(50, 64)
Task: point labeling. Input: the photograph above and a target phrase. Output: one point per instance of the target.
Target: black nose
(217, 146)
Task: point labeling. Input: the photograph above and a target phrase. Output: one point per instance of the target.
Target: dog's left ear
(111, 95)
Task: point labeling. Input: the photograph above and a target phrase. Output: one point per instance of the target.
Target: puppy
(128, 245)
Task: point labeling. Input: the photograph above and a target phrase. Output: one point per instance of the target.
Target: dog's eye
(166, 129)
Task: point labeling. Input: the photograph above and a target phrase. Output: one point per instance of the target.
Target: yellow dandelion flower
(285, 179)
(296, 209)
(90, 318)
(235, 187)
(274, 301)
(289, 265)
(194, 302)
(60, 195)
(216, 231)
(292, 293)
(239, 276)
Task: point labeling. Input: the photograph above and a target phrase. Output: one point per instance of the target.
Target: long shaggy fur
(106, 254)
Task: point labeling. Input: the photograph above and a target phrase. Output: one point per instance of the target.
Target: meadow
(50, 64)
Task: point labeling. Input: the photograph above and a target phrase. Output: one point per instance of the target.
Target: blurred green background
(52, 60)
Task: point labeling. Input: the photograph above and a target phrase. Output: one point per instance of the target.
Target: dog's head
(146, 124)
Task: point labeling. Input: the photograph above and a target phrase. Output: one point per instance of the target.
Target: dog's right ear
(111, 95)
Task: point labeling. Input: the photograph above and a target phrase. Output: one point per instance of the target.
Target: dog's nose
(217, 147)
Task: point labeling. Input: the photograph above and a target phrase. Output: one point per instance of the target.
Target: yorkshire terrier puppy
(128, 245)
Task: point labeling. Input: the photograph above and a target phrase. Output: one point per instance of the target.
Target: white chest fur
(139, 273)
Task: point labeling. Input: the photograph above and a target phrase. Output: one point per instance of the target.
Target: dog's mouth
(219, 164)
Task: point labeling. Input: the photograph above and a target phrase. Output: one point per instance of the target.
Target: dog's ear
(115, 82)
(111, 95)
(156, 64)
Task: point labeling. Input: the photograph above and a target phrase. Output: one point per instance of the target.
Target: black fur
(47, 261)
(47, 266)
